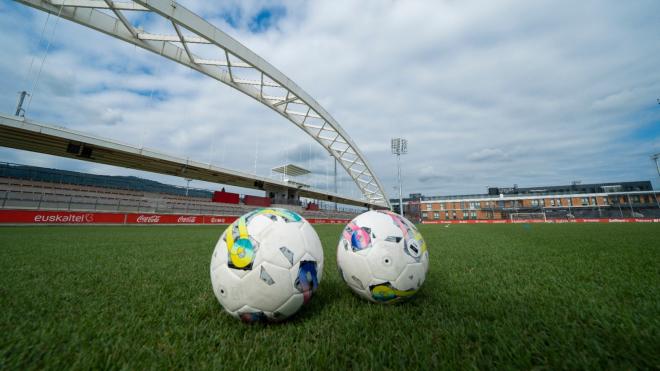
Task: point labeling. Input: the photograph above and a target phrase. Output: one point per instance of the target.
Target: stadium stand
(123, 183)
(635, 199)
(29, 187)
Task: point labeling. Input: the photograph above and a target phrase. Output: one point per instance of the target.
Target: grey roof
(291, 170)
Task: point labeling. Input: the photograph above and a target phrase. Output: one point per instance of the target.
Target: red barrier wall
(177, 219)
(74, 217)
(519, 221)
(225, 197)
(77, 217)
(256, 201)
(59, 217)
(328, 221)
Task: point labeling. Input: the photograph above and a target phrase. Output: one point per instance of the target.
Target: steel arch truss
(229, 62)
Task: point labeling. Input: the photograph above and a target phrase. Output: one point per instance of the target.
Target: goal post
(528, 216)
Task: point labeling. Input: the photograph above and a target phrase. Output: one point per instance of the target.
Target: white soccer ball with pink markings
(382, 257)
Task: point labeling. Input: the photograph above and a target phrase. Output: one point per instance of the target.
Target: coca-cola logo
(186, 219)
(148, 219)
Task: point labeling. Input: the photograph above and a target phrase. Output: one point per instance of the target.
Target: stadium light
(399, 147)
(655, 158)
(20, 111)
(188, 180)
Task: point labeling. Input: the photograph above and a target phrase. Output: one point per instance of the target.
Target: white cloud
(489, 154)
(521, 92)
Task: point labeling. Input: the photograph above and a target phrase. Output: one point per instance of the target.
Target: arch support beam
(239, 68)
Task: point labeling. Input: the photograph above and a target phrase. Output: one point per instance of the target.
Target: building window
(428, 206)
(535, 202)
(446, 214)
(593, 200)
(585, 201)
(436, 215)
(473, 214)
(552, 202)
(453, 214)
(424, 215)
(635, 199)
(474, 205)
(466, 215)
(604, 200)
(442, 206)
(559, 202)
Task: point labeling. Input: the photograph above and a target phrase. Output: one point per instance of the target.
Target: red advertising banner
(59, 217)
(77, 217)
(210, 219)
(178, 219)
(162, 219)
(328, 221)
(74, 217)
(524, 221)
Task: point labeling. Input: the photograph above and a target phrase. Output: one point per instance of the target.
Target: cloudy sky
(487, 93)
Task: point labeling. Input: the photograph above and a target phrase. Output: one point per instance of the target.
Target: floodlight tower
(188, 180)
(655, 158)
(20, 112)
(399, 147)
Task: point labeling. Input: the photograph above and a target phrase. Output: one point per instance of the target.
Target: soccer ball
(266, 265)
(382, 257)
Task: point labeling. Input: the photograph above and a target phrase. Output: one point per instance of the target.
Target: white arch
(272, 88)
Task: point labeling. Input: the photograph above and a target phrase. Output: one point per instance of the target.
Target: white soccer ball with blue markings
(382, 257)
(266, 265)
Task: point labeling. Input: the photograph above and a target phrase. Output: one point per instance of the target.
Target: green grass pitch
(497, 296)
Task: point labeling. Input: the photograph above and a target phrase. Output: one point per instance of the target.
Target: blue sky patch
(266, 18)
(649, 131)
(232, 16)
(649, 119)
(155, 94)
